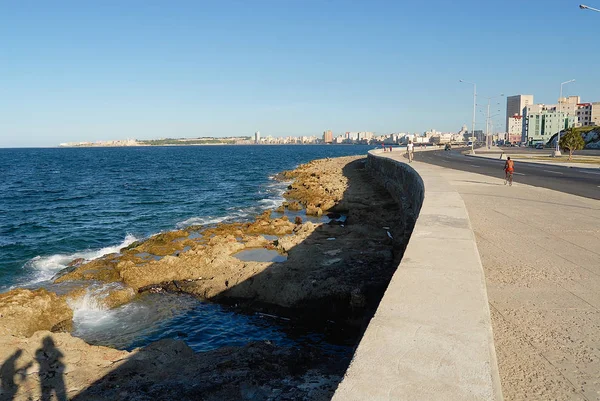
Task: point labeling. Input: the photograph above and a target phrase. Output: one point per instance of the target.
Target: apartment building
(515, 128)
(515, 106)
(542, 121)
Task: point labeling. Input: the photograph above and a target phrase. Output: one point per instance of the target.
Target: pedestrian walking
(409, 150)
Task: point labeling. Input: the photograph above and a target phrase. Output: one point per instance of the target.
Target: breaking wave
(42, 268)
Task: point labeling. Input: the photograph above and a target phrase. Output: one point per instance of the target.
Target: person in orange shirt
(509, 169)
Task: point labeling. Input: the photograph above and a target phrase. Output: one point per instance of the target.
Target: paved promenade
(540, 252)
(431, 338)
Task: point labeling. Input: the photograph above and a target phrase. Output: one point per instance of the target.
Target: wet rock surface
(334, 271)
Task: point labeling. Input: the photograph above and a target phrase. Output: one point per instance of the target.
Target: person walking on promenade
(409, 150)
(509, 169)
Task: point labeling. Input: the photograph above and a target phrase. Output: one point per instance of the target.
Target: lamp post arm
(584, 7)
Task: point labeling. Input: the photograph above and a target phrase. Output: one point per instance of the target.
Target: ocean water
(59, 204)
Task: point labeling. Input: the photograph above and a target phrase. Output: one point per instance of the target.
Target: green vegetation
(561, 159)
(572, 140)
(584, 130)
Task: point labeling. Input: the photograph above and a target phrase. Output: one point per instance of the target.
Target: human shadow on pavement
(481, 182)
(9, 376)
(51, 373)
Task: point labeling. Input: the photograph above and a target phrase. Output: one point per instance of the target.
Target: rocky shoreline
(333, 271)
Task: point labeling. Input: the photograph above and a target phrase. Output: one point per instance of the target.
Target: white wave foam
(90, 309)
(273, 193)
(91, 301)
(201, 221)
(45, 266)
(270, 203)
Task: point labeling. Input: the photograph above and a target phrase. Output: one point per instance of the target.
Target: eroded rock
(165, 370)
(23, 312)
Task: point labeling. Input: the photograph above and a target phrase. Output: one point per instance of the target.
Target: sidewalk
(521, 158)
(431, 337)
(540, 251)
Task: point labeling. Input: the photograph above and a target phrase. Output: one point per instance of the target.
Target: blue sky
(97, 70)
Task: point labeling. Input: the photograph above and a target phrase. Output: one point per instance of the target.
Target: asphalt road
(572, 180)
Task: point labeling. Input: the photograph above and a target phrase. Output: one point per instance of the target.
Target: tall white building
(515, 129)
(257, 137)
(365, 136)
(515, 105)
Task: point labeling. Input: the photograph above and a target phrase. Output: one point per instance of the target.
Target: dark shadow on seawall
(336, 276)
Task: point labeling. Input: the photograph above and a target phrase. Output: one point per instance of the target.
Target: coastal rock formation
(315, 187)
(23, 312)
(165, 370)
(334, 264)
(337, 269)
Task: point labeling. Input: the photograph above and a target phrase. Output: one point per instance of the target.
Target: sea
(60, 204)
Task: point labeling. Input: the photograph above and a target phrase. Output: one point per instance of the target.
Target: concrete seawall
(431, 337)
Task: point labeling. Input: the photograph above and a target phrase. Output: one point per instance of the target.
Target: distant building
(479, 135)
(431, 133)
(365, 137)
(257, 137)
(515, 105)
(441, 138)
(595, 113)
(514, 138)
(327, 136)
(588, 114)
(543, 121)
(515, 128)
(352, 136)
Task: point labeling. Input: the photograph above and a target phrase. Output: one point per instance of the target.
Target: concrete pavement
(541, 256)
(431, 337)
(540, 253)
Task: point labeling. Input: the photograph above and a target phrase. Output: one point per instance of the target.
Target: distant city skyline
(84, 71)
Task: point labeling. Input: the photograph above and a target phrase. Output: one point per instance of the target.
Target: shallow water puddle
(148, 256)
(260, 255)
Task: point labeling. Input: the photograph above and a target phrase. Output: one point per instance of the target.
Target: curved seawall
(431, 337)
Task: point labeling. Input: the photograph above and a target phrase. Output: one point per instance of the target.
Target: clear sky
(98, 70)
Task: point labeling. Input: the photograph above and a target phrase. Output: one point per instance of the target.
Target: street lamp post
(487, 120)
(474, 107)
(490, 138)
(584, 7)
(557, 150)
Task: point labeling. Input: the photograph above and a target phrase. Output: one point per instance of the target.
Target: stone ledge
(431, 338)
